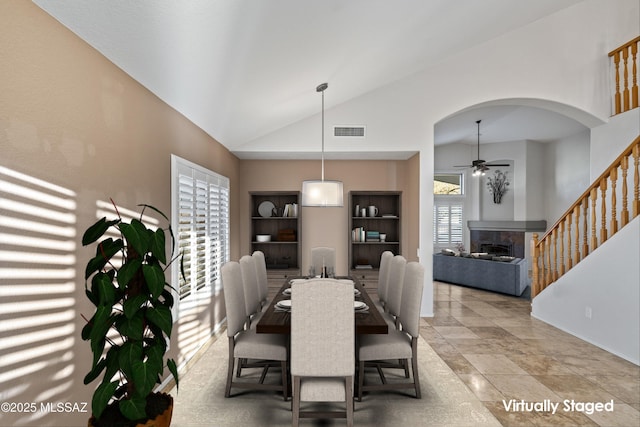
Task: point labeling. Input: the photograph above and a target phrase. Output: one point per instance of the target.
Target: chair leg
(349, 400)
(285, 384)
(227, 391)
(360, 380)
(414, 367)
(296, 401)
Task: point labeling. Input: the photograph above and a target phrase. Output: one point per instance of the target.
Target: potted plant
(132, 321)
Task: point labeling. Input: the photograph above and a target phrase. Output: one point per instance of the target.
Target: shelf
(276, 252)
(387, 203)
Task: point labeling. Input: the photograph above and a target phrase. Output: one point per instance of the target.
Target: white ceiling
(241, 69)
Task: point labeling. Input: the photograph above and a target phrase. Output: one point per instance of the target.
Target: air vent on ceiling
(349, 131)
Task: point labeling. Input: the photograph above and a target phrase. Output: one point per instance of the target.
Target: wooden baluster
(594, 237)
(614, 200)
(635, 203)
(625, 70)
(549, 277)
(576, 255)
(535, 254)
(569, 248)
(585, 234)
(634, 73)
(559, 268)
(617, 100)
(603, 210)
(554, 246)
(624, 215)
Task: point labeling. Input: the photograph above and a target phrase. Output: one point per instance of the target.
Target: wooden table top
(279, 322)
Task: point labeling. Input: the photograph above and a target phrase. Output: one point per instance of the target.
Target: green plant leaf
(112, 362)
(128, 271)
(102, 321)
(102, 285)
(101, 397)
(96, 231)
(157, 246)
(129, 353)
(161, 317)
(86, 330)
(167, 298)
(132, 327)
(155, 353)
(154, 276)
(93, 374)
(133, 305)
(144, 376)
(136, 236)
(155, 209)
(134, 408)
(104, 252)
(93, 298)
(171, 364)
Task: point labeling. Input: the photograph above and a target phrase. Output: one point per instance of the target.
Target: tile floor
(502, 353)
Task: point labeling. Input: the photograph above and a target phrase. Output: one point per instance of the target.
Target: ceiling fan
(480, 166)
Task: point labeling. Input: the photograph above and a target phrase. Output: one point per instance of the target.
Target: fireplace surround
(502, 238)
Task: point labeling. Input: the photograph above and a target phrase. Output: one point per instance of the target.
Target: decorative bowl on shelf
(263, 237)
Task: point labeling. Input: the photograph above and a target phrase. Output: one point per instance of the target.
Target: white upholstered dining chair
(263, 280)
(383, 278)
(401, 343)
(322, 346)
(394, 289)
(252, 301)
(246, 343)
(323, 256)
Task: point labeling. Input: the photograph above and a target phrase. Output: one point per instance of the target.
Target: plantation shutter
(447, 223)
(202, 226)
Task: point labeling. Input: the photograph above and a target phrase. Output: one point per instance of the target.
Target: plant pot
(154, 400)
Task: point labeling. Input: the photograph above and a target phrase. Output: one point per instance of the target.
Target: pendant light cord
(322, 176)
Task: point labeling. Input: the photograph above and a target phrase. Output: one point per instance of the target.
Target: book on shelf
(373, 236)
(290, 210)
(358, 234)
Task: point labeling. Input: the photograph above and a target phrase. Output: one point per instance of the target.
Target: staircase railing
(575, 234)
(626, 99)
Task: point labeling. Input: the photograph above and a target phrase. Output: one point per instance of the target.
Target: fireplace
(502, 238)
(498, 243)
(497, 248)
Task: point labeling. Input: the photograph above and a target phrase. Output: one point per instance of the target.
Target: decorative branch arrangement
(497, 185)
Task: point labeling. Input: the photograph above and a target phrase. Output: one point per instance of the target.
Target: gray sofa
(499, 276)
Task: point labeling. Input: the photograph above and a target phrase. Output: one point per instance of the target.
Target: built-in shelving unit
(365, 231)
(282, 224)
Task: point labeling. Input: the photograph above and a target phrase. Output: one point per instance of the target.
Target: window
(200, 222)
(448, 184)
(448, 210)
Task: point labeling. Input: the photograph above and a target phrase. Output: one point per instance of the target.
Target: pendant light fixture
(323, 193)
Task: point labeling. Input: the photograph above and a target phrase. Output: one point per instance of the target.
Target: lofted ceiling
(242, 69)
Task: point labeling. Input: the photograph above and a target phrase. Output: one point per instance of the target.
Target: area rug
(446, 401)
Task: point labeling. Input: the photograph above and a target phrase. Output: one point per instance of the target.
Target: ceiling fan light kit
(480, 167)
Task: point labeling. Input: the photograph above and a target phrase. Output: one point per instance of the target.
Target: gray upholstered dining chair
(251, 289)
(399, 343)
(394, 289)
(323, 256)
(246, 343)
(263, 280)
(322, 358)
(383, 278)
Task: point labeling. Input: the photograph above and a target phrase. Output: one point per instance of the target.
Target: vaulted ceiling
(242, 69)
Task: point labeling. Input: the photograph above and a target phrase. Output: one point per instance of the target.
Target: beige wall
(78, 130)
(329, 226)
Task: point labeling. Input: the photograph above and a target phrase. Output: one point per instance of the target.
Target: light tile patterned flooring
(502, 353)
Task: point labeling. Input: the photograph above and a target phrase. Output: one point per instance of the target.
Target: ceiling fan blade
(463, 166)
(496, 164)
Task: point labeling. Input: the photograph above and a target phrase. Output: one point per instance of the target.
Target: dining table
(278, 321)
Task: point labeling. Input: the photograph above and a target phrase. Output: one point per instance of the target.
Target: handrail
(561, 248)
(627, 99)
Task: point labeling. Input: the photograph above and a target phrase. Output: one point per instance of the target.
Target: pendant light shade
(322, 193)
